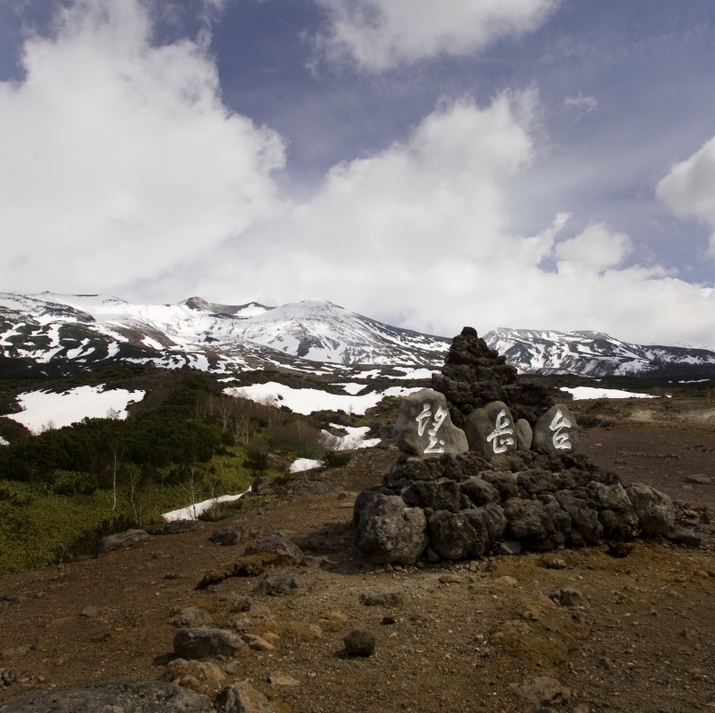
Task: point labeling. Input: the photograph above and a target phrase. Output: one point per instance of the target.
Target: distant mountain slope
(82, 331)
(57, 334)
(594, 354)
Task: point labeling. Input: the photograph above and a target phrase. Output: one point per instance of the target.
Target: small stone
(242, 697)
(258, 643)
(238, 603)
(120, 540)
(388, 620)
(701, 573)
(506, 581)
(431, 555)
(388, 597)
(190, 617)
(389, 568)
(336, 620)
(682, 535)
(699, 479)
(199, 643)
(567, 597)
(359, 643)
(450, 578)
(619, 549)
(90, 612)
(282, 679)
(541, 691)
(509, 547)
(555, 563)
(201, 676)
(277, 584)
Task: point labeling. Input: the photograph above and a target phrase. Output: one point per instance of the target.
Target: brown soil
(644, 638)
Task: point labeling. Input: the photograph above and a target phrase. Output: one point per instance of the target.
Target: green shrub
(336, 459)
(72, 482)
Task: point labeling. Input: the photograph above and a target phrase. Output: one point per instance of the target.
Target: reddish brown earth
(465, 639)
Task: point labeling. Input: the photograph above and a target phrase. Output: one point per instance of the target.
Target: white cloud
(118, 158)
(581, 105)
(122, 171)
(689, 189)
(381, 34)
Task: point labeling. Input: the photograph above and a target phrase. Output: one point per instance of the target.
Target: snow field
(580, 393)
(43, 409)
(306, 401)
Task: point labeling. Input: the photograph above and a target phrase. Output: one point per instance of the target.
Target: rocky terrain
(587, 629)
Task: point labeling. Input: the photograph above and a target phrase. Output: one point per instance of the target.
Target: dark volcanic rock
(124, 696)
(654, 509)
(388, 531)
(175, 527)
(200, 643)
(470, 533)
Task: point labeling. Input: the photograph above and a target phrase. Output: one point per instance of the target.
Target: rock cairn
(488, 465)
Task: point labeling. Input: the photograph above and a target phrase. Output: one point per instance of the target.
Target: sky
(541, 164)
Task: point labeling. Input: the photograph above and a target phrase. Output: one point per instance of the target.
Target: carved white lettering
(502, 435)
(422, 419)
(561, 438)
(435, 445)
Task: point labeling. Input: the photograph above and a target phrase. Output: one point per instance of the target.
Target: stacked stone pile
(488, 465)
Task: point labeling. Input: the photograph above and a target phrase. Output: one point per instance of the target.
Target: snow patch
(306, 401)
(43, 409)
(354, 439)
(303, 464)
(580, 393)
(192, 512)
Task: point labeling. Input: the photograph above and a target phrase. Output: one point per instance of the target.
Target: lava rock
(359, 643)
(120, 540)
(469, 533)
(286, 551)
(524, 435)
(389, 532)
(200, 643)
(242, 697)
(654, 509)
(124, 696)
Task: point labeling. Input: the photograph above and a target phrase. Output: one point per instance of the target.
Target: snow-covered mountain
(86, 330)
(593, 354)
(57, 334)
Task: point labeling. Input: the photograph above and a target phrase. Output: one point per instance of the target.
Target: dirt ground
(465, 639)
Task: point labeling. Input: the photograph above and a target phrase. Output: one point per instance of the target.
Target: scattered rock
(286, 551)
(567, 597)
(174, 527)
(699, 479)
(509, 547)
(232, 535)
(359, 643)
(336, 620)
(619, 549)
(555, 563)
(124, 696)
(450, 578)
(258, 643)
(8, 676)
(190, 617)
(282, 679)
(238, 603)
(682, 535)
(277, 583)
(91, 612)
(200, 643)
(543, 691)
(388, 597)
(120, 541)
(200, 676)
(242, 697)
(654, 509)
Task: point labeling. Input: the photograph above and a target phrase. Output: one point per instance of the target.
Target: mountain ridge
(58, 333)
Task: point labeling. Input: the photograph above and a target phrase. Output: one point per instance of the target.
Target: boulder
(120, 540)
(200, 676)
(286, 551)
(556, 430)
(586, 528)
(617, 515)
(277, 584)
(190, 617)
(479, 491)
(524, 435)
(201, 643)
(441, 495)
(491, 430)
(359, 643)
(537, 525)
(424, 426)
(654, 509)
(124, 696)
(470, 533)
(389, 532)
(242, 697)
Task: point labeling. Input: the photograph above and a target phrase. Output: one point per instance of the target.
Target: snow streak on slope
(588, 353)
